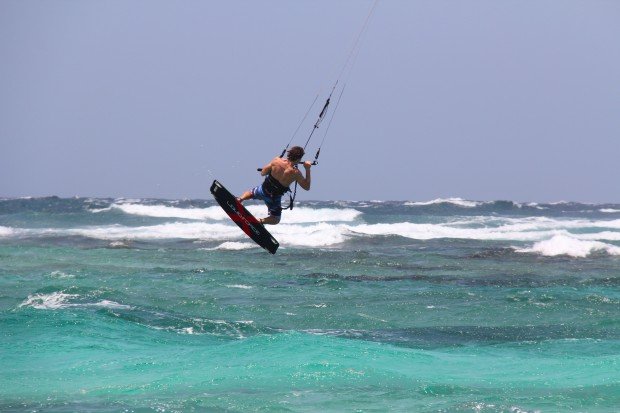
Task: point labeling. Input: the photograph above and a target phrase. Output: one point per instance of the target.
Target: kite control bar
(312, 163)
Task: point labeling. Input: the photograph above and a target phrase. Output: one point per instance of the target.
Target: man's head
(295, 154)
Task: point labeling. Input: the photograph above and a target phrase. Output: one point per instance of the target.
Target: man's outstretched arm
(266, 169)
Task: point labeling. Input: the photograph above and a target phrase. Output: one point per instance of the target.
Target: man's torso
(283, 171)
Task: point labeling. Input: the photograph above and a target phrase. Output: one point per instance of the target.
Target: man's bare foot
(270, 220)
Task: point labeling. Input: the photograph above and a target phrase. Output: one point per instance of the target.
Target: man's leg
(245, 196)
(275, 211)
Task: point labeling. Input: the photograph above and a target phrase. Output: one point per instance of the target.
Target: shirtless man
(280, 174)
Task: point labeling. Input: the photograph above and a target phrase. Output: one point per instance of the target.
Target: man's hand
(304, 182)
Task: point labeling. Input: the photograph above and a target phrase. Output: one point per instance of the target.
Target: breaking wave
(571, 246)
(162, 211)
(454, 201)
(549, 234)
(60, 299)
(298, 215)
(330, 224)
(7, 231)
(234, 246)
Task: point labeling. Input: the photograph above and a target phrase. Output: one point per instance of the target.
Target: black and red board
(246, 221)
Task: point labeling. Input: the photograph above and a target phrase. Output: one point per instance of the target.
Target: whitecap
(60, 274)
(571, 246)
(120, 244)
(107, 304)
(233, 246)
(492, 228)
(317, 235)
(173, 230)
(454, 201)
(50, 301)
(241, 286)
(59, 300)
(215, 213)
(7, 231)
(163, 211)
(326, 234)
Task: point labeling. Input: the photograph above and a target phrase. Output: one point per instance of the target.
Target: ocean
(450, 305)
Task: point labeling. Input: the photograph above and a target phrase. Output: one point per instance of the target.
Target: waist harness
(272, 187)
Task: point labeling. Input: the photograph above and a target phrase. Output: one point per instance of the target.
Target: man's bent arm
(305, 182)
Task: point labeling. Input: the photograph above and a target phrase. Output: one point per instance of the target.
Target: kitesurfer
(280, 173)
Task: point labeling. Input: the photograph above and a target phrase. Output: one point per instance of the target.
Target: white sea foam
(7, 231)
(317, 235)
(60, 274)
(120, 244)
(59, 299)
(234, 246)
(535, 205)
(320, 234)
(500, 229)
(108, 304)
(215, 213)
(571, 246)
(163, 211)
(345, 227)
(453, 230)
(241, 286)
(600, 236)
(609, 210)
(455, 201)
(51, 301)
(173, 230)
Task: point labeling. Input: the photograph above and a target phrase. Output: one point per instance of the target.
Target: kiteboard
(246, 221)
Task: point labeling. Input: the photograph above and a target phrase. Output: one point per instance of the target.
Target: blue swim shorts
(274, 204)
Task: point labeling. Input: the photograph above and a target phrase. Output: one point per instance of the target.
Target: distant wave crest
(454, 201)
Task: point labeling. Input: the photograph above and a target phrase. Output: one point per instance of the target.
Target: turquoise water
(443, 306)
